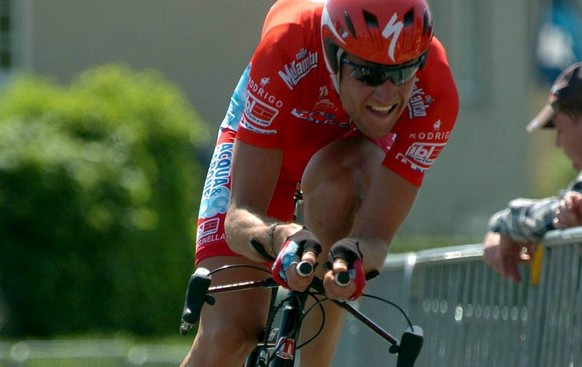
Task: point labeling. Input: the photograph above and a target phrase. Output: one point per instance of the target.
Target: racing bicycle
(277, 346)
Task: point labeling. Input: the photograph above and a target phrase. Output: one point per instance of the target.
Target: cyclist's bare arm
(385, 207)
(254, 176)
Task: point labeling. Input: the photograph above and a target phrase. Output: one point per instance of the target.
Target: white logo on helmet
(393, 28)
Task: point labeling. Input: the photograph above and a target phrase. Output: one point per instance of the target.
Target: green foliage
(98, 182)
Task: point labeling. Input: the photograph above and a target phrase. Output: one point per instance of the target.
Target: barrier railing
(473, 317)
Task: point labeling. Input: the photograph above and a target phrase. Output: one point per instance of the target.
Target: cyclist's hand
(345, 256)
(301, 246)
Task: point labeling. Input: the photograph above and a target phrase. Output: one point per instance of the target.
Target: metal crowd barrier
(471, 316)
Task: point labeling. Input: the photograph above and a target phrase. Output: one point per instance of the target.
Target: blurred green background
(98, 186)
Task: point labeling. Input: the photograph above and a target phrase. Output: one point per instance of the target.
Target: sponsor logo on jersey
(205, 236)
(258, 115)
(419, 102)
(420, 155)
(216, 193)
(325, 105)
(430, 135)
(207, 228)
(304, 62)
(259, 91)
(436, 134)
(319, 117)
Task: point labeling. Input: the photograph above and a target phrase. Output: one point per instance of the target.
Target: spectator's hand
(504, 254)
(569, 212)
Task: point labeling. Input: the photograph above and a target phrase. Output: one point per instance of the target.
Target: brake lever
(409, 347)
(195, 298)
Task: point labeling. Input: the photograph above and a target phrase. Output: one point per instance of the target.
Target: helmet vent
(409, 18)
(427, 22)
(350, 25)
(370, 19)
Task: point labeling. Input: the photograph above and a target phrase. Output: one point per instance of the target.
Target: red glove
(291, 252)
(349, 250)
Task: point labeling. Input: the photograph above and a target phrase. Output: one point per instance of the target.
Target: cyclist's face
(568, 137)
(374, 110)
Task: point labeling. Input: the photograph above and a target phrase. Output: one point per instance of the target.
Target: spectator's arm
(525, 220)
(569, 211)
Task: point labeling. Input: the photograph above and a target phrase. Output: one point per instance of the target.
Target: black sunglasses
(378, 75)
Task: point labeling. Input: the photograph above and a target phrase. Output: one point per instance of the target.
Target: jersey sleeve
(425, 126)
(269, 94)
(528, 220)
(525, 220)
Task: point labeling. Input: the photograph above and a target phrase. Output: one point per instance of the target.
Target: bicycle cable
(318, 303)
(391, 304)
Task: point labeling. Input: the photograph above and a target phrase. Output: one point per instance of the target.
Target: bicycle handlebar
(343, 278)
(304, 268)
(199, 290)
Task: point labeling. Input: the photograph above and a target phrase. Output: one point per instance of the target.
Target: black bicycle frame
(290, 327)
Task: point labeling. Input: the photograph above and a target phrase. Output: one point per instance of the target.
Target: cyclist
(514, 231)
(354, 100)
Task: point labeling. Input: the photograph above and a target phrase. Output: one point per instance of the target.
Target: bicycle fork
(284, 345)
(291, 320)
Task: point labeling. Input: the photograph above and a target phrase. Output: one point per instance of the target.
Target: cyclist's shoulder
(288, 57)
(291, 30)
(437, 61)
(436, 78)
(293, 16)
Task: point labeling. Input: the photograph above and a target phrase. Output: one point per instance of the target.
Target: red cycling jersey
(286, 100)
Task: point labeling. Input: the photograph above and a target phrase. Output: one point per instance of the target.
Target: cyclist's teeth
(382, 109)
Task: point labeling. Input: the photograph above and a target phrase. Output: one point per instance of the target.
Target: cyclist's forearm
(374, 251)
(241, 225)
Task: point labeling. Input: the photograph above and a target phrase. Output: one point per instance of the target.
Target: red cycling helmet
(387, 32)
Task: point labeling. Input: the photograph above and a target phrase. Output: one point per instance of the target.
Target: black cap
(566, 94)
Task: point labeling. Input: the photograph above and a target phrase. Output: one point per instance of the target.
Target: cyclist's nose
(385, 92)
